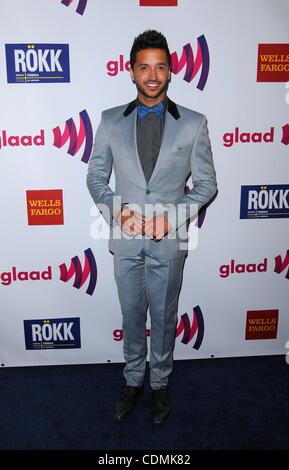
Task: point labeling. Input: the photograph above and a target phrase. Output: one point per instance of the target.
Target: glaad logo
(81, 275)
(237, 268)
(226, 270)
(80, 7)
(37, 63)
(24, 140)
(7, 277)
(76, 139)
(268, 201)
(236, 137)
(189, 330)
(193, 65)
(55, 333)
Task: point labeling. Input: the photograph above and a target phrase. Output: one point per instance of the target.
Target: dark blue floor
(235, 403)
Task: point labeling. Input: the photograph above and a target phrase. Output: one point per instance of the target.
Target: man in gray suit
(153, 145)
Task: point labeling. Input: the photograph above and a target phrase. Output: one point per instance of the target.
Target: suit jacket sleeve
(99, 171)
(203, 177)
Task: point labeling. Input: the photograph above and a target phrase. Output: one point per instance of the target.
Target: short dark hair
(149, 39)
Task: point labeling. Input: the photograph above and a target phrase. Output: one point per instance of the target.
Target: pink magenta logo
(187, 59)
(193, 65)
(285, 134)
(281, 265)
(81, 274)
(189, 330)
(76, 139)
(80, 7)
(185, 327)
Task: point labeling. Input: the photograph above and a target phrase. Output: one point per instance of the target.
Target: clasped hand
(133, 223)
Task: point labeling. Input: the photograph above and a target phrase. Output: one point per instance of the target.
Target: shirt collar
(170, 105)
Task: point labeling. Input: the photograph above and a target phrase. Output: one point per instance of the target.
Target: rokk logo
(237, 137)
(268, 201)
(53, 333)
(37, 63)
(81, 274)
(262, 324)
(192, 64)
(273, 63)
(81, 5)
(76, 139)
(158, 3)
(184, 327)
(76, 270)
(45, 207)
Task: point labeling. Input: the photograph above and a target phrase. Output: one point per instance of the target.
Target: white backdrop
(231, 98)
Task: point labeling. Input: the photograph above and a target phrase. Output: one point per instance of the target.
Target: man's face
(151, 75)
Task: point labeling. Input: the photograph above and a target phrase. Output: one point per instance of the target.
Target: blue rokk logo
(266, 201)
(37, 63)
(54, 333)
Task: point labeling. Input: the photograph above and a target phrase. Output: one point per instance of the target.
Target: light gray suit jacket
(185, 150)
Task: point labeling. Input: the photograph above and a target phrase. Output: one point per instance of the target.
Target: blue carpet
(217, 404)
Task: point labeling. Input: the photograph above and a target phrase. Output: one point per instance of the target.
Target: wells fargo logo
(81, 5)
(76, 270)
(80, 139)
(158, 3)
(262, 324)
(45, 207)
(273, 63)
(186, 329)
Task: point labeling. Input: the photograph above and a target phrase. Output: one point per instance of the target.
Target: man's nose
(153, 74)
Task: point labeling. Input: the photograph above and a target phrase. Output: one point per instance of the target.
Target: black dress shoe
(126, 401)
(160, 405)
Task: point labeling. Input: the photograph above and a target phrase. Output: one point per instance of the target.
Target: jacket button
(148, 191)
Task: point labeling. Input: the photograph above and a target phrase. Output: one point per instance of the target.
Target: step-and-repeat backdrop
(62, 63)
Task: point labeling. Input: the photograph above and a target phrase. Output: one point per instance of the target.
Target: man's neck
(149, 102)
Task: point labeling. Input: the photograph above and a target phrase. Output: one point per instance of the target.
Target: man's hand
(131, 222)
(157, 227)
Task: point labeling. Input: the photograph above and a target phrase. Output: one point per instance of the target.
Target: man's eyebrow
(160, 63)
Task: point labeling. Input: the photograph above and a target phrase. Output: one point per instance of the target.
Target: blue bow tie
(142, 111)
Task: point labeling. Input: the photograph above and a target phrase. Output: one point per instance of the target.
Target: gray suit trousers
(146, 282)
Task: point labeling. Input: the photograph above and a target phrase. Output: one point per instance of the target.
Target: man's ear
(132, 75)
